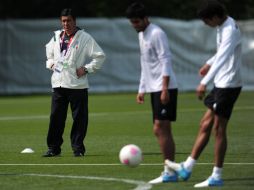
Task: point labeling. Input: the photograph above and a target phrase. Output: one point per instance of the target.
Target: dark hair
(136, 10)
(211, 8)
(68, 12)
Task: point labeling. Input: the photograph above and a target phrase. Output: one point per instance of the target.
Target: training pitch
(114, 121)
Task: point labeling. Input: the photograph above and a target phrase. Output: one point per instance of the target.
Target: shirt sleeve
(142, 82)
(224, 52)
(160, 41)
(211, 60)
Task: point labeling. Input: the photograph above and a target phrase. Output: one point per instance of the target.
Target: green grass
(115, 120)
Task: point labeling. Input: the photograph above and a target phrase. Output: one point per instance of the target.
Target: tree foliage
(177, 9)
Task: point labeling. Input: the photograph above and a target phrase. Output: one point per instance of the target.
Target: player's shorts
(222, 100)
(164, 111)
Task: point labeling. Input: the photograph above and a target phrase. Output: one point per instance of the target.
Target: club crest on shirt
(163, 111)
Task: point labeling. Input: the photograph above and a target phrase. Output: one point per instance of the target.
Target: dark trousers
(78, 99)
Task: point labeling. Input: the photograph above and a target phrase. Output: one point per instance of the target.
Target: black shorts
(167, 111)
(221, 100)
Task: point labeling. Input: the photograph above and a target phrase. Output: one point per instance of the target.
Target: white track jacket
(82, 52)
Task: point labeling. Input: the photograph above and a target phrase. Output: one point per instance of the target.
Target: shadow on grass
(4, 174)
(159, 153)
(249, 181)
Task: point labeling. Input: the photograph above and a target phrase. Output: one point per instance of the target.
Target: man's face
(69, 24)
(139, 24)
(212, 22)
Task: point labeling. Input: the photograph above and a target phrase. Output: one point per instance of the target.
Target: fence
(22, 53)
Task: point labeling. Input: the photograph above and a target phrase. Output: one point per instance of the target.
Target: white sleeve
(223, 53)
(160, 41)
(211, 60)
(50, 53)
(141, 88)
(96, 54)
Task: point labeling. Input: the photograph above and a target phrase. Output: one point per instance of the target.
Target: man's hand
(204, 70)
(201, 89)
(140, 98)
(165, 96)
(80, 72)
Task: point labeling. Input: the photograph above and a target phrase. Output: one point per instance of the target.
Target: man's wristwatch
(85, 70)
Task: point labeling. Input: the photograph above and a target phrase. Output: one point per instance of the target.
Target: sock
(168, 170)
(172, 165)
(217, 172)
(189, 163)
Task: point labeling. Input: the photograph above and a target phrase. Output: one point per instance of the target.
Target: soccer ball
(131, 155)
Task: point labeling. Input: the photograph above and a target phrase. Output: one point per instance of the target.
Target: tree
(176, 9)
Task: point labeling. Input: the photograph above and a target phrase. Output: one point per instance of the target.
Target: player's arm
(222, 56)
(204, 69)
(200, 91)
(164, 93)
(164, 56)
(140, 98)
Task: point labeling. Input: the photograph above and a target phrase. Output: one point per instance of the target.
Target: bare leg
(220, 126)
(202, 139)
(163, 132)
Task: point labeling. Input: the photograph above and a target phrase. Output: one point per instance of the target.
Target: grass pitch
(116, 120)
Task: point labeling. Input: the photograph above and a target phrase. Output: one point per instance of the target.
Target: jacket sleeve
(50, 54)
(96, 54)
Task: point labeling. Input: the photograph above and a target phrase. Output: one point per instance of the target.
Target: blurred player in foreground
(158, 79)
(224, 68)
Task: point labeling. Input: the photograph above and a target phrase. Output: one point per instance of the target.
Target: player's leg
(220, 126)
(184, 169)
(163, 115)
(225, 99)
(204, 133)
(163, 132)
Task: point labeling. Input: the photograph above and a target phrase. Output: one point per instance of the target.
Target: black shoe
(79, 154)
(51, 153)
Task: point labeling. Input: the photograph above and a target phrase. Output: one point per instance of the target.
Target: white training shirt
(155, 60)
(225, 64)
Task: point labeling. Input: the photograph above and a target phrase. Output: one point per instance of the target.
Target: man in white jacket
(71, 55)
(224, 69)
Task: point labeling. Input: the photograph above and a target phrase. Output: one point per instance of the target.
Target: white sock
(172, 165)
(168, 170)
(217, 172)
(189, 163)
